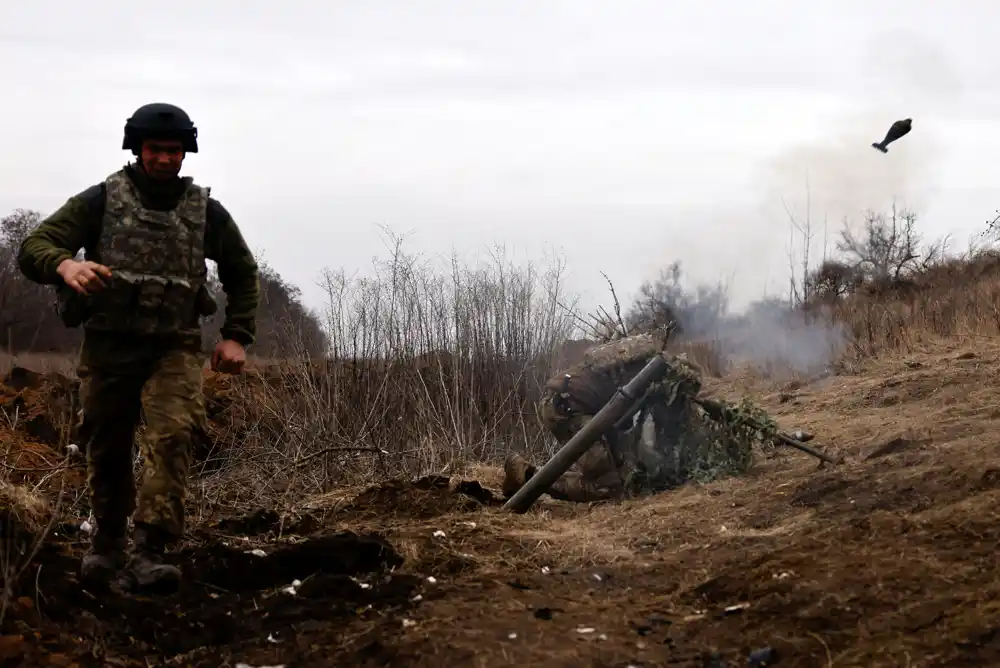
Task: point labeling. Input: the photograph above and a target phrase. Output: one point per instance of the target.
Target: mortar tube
(623, 399)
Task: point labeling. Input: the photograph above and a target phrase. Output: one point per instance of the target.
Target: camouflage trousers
(597, 475)
(166, 395)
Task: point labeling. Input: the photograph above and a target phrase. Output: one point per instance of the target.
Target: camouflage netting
(23, 516)
(705, 447)
(725, 446)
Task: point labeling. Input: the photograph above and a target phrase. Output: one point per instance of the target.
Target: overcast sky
(623, 135)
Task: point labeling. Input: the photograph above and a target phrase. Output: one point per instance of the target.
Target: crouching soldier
(139, 295)
(570, 400)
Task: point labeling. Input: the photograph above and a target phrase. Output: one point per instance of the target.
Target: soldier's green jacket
(77, 224)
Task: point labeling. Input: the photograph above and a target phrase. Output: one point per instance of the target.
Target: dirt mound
(39, 407)
(430, 496)
(224, 395)
(343, 553)
(40, 412)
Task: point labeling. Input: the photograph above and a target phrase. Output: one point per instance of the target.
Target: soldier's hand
(84, 277)
(229, 357)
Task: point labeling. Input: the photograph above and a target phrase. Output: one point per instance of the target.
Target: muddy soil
(886, 560)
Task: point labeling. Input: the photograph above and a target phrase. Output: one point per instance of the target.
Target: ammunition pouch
(72, 307)
(206, 304)
(143, 305)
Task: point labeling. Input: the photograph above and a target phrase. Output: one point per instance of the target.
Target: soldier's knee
(169, 442)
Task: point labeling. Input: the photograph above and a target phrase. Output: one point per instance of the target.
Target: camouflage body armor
(157, 260)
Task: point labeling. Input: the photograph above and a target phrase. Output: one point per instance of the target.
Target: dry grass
(26, 518)
(28, 510)
(957, 300)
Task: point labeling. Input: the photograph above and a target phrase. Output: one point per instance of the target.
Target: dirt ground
(888, 559)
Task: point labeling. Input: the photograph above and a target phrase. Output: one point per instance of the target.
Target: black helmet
(160, 121)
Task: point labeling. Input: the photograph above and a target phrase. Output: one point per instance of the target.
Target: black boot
(147, 572)
(105, 557)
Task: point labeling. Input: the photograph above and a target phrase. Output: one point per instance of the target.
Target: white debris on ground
(293, 588)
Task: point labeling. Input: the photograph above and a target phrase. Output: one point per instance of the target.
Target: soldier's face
(161, 158)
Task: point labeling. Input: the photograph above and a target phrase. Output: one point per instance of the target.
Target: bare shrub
(888, 247)
(707, 354)
(832, 280)
(696, 310)
(430, 366)
(955, 298)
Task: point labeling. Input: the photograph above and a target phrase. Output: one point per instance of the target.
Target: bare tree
(832, 280)
(888, 247)
(665, 300)
(798, 287)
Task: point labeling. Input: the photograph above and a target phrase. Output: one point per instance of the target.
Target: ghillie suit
(570, 400)
(685, 443)
(699, 446)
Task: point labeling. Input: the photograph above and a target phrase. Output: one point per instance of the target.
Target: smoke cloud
(771, 337)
